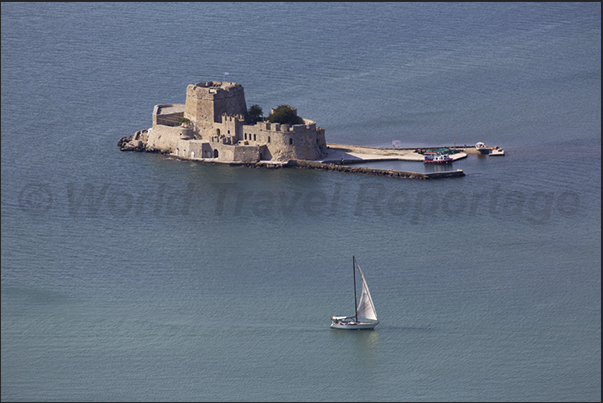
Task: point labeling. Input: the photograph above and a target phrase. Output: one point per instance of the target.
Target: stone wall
(193, 149)
(230, 127)
(201, 149)
(305, 141)
(168, 114)
(247, 153)
(165, 138)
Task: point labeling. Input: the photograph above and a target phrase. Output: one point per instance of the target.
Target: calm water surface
(136, 277)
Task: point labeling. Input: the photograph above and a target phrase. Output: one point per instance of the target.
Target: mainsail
(366, 308)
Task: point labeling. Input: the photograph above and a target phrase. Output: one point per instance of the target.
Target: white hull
(352, 326)
(349, 322)
(481, 147)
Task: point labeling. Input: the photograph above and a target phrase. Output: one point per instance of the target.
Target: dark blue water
(129, 276)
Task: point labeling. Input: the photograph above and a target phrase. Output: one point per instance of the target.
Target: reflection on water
(361, 339)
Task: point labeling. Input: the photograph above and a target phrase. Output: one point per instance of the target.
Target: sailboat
(365, 316)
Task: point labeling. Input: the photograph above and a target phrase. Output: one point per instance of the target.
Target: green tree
(284, 114)
(254, 115)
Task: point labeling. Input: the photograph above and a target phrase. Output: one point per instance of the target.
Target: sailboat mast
(355, 301)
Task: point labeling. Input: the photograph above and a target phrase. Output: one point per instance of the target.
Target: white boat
(437, 158)
(365, 316)
(497, 151)
(482, 148)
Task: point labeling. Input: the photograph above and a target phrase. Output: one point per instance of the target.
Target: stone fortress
(210, 126)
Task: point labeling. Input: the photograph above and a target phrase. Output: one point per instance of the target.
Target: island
(214, 125)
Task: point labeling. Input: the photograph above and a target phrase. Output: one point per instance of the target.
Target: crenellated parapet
(285, 142)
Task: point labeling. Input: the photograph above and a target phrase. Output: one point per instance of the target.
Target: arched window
(215, 153)
(254, 137)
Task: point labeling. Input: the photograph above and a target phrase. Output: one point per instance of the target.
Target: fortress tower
(206, 102)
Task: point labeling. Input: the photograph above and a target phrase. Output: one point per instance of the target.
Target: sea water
(137, 277)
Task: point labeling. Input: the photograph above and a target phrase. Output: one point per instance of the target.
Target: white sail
(366, 308)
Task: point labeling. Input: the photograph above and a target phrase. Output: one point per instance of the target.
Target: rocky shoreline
(129, 144)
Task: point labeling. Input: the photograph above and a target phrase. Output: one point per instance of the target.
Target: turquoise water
(130, 276)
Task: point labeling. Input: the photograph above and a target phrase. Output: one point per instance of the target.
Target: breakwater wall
(305, 164)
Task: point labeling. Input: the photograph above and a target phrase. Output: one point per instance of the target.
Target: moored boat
(497, 151)
(437, 158)
(482, 148)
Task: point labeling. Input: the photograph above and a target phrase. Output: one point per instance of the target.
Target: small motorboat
(482, 148)
(497, 151)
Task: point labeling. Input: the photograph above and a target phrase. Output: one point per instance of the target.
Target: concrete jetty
(358, 154)
(343, 157)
